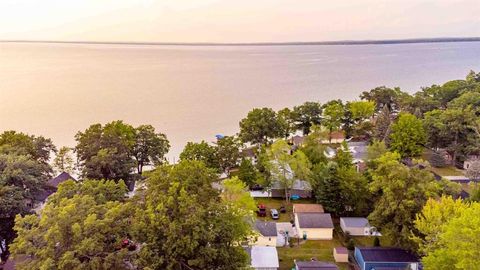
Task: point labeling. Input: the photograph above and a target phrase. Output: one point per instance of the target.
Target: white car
(274, 213)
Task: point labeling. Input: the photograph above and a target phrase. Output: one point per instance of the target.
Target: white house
(266, 234)
(315, 226)
(263, 258)
(357, 226)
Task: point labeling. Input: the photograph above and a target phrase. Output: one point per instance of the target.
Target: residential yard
(320, 250)
(448, 171)
(276, 203)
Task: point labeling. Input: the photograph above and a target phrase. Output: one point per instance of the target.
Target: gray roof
(54, 182)
(315, 220)
(358, 222)
(358, 150)
(266, 228)
(315, 265)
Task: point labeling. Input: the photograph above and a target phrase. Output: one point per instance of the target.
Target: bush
(376, 241)
(346, 237)
(351, 244)
(437, 160)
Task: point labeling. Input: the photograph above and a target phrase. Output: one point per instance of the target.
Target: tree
(333, 113)
(286, 167)
(327, 188)
(201, 152)
(247, 172)
(473, 171)
(457, 250)
(383, 125)
(259, 126)
(401, 192)
(383, 96)
(307, 115)
(408, 136)
(228, 153)
(429, 224)
(286, 121)
(150, 147)
(80, 231)
(362, 111)
(183, 224)
(105, 152)
(63, 161)
(38, 148)
(236, 195)
(376, 150)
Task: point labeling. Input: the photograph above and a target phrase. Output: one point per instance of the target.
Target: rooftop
(307, 208)
(54, 182)
(315, 265)
(341, 250)
(315, 220)
(263, 257)
(266, 228)
(358, 222)
(380, 254)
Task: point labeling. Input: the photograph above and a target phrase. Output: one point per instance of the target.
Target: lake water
(192, 92)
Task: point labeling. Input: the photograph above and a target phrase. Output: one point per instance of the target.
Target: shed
(314, 265)
(357, 226)
(340, 254)
(263, 258)
(267, 233)
(316, 226)
(371, 258)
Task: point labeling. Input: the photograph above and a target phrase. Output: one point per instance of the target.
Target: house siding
(314, 233)
(359, 259)
(372, 266)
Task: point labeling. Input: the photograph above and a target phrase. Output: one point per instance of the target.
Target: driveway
(283, 227)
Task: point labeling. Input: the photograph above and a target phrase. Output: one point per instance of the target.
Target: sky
(236, 20)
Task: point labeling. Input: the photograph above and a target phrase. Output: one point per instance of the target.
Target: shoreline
(308, 43)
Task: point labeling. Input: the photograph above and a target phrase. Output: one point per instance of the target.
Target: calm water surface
(193, 93)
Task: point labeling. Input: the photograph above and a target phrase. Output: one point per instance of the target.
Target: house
(307, 208)
(357, 226)
(371, 258)
(340, 254)
(267, 233)
(316, 226)
(249, 153)
(335, 137)
(299, 188)
(314, 265)
(263, 258)
(297, 141)
(358, 150)
(50, 188)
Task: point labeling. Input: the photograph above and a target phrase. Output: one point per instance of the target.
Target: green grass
(276, 203)
(447, 171)
(321, 250)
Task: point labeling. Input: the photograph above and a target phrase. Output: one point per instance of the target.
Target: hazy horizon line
(289, 43)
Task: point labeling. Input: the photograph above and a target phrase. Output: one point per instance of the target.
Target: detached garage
(315, 226)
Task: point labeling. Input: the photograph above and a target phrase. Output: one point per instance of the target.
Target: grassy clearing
(320, 250)
(448, 171)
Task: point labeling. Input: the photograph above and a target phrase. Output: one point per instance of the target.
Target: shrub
(351, 244)
(437, 160)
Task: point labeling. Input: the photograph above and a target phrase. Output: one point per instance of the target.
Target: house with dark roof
(63, 177)
(315, 226)
(50, 188)
(266, 233)
(381, 258)
(314, 265)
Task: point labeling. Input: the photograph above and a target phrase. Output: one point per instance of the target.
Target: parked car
(283, 209)
(274, 213)
(262, 210)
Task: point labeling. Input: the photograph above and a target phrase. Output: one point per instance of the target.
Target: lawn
(448, 171)
(320, 250)
(275, 203)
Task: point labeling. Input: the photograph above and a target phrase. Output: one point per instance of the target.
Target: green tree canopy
(150, 147)
(228, 153)
(408, 136)
(203, 152)
(260, 126)
(307, 115)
